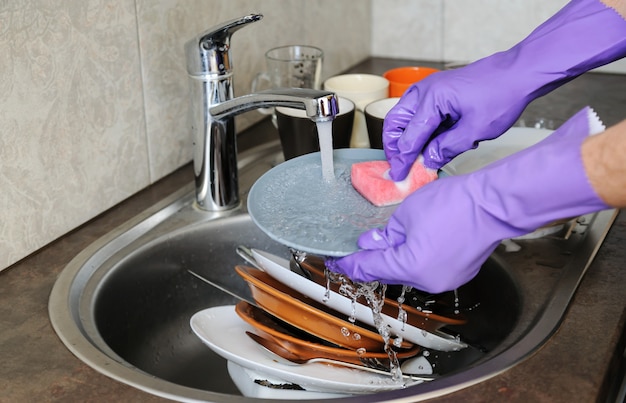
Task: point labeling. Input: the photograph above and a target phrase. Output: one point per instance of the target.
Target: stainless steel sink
(123, 305)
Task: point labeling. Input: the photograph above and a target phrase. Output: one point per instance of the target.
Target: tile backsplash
(94, 96)
(94, 92)
(458, 31)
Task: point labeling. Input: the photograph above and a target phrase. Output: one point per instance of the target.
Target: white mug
(361, 89)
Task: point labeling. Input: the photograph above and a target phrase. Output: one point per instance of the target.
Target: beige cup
(360, 89)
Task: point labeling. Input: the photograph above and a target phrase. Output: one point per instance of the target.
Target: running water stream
(325, 135)
(374, 294)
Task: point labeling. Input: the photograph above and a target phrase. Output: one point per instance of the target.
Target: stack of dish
(314, 319)
(299, 319)
(420, 327)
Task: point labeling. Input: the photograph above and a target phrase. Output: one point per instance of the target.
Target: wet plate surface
(294, 205)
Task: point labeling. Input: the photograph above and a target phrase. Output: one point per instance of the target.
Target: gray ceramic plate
(295, 206)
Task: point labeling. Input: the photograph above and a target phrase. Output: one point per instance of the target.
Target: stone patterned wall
(94, 96)
(458, 31)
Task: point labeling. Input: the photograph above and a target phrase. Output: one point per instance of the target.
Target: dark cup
(375, 113)
(298, 133)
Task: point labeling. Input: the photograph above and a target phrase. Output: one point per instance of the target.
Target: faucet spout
(319, 105)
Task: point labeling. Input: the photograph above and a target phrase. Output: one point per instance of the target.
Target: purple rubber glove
(447, 113)
(438, 237)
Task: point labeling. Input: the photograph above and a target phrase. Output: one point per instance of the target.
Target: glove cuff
(542, 183)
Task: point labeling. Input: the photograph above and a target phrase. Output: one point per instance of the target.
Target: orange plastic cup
(401, 78)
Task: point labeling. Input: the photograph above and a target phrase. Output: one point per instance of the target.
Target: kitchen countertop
(576, 365)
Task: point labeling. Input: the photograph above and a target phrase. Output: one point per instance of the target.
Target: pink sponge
(371, 180)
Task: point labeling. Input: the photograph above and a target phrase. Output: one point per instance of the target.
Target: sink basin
(123, 305)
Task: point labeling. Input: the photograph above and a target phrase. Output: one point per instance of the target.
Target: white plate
(278, 268)
(512, 141)
(296, 207)
(250, 384)
(224, 332)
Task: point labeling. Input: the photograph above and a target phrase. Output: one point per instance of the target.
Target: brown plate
(308, 315)
(428, 321)
(272, 328)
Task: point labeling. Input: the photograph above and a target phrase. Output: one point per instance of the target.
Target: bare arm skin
(617, 5)
(604, 159)
(604, 155)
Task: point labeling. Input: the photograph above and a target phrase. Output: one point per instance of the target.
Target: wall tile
(458, 31)
(408, 29)
(478, 28)
(341, 28)
(72, 139)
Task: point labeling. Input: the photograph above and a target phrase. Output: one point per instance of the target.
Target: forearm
(582, 36)
(604, 159)
(617, 5)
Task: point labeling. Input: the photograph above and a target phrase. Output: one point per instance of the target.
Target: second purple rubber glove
(438, 238)
(449, 112)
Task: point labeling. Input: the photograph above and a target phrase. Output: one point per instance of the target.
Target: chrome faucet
(213, 108)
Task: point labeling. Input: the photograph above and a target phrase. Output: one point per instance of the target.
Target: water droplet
(374, 295)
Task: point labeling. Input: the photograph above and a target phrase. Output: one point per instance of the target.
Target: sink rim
(68, 286)
(64, 317)
(88, 347)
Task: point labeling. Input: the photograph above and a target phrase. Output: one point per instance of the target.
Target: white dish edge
(278, 268)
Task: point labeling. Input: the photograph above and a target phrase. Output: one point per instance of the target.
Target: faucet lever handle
(207, 53)
(220, 34)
